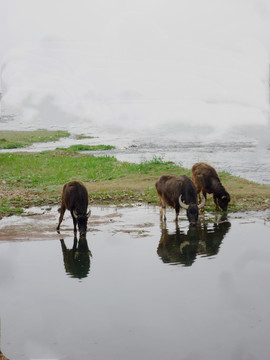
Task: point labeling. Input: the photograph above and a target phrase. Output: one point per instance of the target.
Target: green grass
(54, 168)
(81, 136)
(37, 179)
(81, 147)
(9, 207)
(20, 139)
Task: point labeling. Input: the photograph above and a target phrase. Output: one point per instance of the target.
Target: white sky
(137, 62)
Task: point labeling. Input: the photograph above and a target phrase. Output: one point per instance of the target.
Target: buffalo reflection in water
(77, 259)
(182, 248)
(211, 238)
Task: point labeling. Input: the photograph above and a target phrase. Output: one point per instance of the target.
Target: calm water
(138, 289)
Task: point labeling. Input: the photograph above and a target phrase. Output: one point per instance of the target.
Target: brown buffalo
(207, 181)
(178, 191)
(75, 199)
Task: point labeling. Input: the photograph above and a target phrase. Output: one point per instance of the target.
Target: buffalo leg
(62, 212)
(74, 222)
(216, 202)
(75, 242)
(177, 210)
(163, 210)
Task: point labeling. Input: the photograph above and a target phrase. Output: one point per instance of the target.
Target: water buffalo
(207, 181)
(75, 199)
(176, 191)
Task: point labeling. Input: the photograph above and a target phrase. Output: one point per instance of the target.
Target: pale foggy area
(183, 80)
(187, 81)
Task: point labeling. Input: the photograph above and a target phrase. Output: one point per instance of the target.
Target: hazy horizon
(141, 65)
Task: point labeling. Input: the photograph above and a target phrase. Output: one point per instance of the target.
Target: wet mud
(40, 223)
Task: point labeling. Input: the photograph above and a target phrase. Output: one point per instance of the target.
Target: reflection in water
(210, 239)
(77, 259)
(183, 248)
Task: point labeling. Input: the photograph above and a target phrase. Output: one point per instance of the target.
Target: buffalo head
(192, 210)
(223, 201)
(82, 221)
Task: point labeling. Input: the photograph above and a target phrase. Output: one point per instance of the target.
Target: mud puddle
(135, 288)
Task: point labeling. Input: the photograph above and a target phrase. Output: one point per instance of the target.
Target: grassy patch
(10, 207)
(58, 167)
(81, 136)
(20, 139)
(37, 179)
(81, 147)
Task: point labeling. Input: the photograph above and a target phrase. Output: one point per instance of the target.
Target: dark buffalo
(75, 199)
(178, 191)
(207, 181)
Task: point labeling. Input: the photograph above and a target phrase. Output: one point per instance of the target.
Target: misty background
(136, 64)
(165, 71)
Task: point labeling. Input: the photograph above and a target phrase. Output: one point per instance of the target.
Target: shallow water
(242, 152)
(140, 290)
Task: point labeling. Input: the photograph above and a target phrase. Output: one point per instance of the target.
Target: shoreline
(37, 178)
(39, 224)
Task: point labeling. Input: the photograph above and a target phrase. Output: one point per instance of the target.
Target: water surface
(244, 151)
(144, 289)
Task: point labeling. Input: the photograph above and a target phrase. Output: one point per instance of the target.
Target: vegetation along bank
(36, 179)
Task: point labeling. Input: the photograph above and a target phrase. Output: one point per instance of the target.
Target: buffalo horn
(202, 203)
(76, 216)
(183, 205)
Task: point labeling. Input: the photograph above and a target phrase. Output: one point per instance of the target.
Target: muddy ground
(39, 223)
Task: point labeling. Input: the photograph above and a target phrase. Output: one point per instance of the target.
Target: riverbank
(36, 179)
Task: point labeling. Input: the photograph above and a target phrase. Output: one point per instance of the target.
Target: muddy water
(137, 289)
